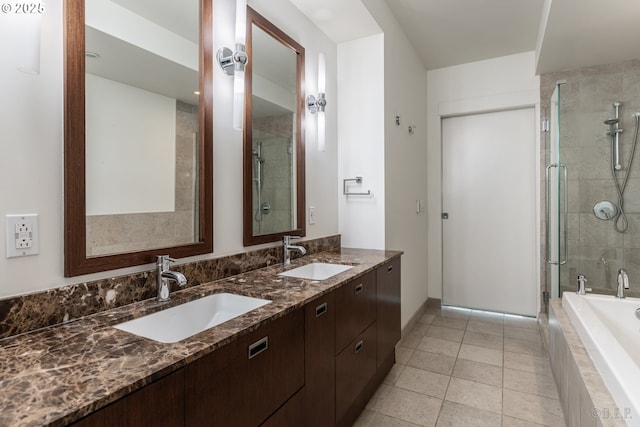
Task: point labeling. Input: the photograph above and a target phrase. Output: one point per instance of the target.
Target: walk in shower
(592, 188)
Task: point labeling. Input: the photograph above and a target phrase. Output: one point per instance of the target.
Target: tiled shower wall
(276, 135)
(595, 248)
(155, 229)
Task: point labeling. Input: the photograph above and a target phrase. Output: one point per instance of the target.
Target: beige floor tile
(411, 339)
(410, 406)
(432, 362)
(382, 392)
(517, 345)
(483, 340)
(365, 418)
(487, 316)
(477, 395)
(424, 382)
(394, 374)
(449, 322)
(527, 362)
(475, 325)
(528, 382)
(455, 312)
(448, 334)
(440, 346)
(403, 354)
(479, 372)
(427, 318)
(516, 422)
(522, 333)
(382, 420)
(489, 356)
(521, 321)
(456, 415)
(529, 407)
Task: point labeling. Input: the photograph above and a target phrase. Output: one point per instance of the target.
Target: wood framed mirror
(138, 135)
(273, 144)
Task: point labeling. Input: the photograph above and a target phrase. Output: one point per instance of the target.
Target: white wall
(124, 125)
(405, 94)
(31, 110)
(492, 85)
(361, 141)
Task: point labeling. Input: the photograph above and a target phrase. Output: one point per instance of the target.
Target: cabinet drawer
(259, 371)
(388, 317)
(290, 414)
(355, 308)
(355, 367)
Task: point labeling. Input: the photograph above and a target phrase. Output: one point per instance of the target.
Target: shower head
(611, 121)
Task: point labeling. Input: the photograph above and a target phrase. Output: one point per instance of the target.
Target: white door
(488, 192)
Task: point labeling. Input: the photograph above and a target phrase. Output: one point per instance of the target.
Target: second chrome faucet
(288, 247)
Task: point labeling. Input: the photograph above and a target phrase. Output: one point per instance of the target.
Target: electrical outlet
(21, 235)
(312, 215)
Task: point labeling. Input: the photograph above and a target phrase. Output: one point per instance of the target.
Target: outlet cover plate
(21, 235)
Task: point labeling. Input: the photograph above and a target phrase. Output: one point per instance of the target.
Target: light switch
(21, 235)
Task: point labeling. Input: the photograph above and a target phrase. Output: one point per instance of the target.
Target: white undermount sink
(316, 271)
(183, 321)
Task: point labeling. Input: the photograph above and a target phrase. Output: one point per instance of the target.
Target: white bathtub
(610, 332)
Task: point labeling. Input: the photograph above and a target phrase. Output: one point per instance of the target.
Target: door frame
(471, 107)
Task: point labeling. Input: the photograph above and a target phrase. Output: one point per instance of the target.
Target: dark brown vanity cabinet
(320, 378)
(388, 311)
(161, 403)
(246, 381)
(355, 308)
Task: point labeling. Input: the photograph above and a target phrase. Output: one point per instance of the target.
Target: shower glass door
(557, 199)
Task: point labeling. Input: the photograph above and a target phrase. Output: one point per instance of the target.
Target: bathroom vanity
(313, 356)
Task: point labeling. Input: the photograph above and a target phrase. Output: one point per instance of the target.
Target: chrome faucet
(288, 247)
(163, 275)
(582, 290)
(623, 282)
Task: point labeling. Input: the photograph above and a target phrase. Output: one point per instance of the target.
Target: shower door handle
(565, 236)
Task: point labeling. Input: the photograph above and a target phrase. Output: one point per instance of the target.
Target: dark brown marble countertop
(56, 375)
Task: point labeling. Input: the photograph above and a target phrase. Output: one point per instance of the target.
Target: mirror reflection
(273, 143)
(142, 124)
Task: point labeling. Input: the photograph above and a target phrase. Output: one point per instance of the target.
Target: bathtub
(610, 332)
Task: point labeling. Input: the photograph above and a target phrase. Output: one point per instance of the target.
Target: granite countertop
(57, 375)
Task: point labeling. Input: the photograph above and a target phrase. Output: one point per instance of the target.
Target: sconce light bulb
(322, 73)
(241, 21)
(238, 99)
(321, 131)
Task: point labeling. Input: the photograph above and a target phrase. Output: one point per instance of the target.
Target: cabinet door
(355, 308)
(161, 403)
(319, 388)
(244, 382)
(355, 368)
(388, 321)
(290, 414)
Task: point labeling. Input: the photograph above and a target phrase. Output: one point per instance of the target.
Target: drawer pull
(359, 346)
(258, 347)
(321, 309)
(359, 288)
(390, 268)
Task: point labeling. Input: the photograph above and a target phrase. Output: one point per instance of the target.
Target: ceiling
(565, 33)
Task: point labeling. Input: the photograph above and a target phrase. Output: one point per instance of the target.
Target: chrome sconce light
(317, 105)
(234, 62)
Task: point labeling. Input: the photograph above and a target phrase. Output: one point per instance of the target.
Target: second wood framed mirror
(273, 147)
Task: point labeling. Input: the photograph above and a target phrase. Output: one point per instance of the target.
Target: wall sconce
(233, 63)
(318, 105)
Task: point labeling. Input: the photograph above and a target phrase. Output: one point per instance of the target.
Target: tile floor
(466, 368)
